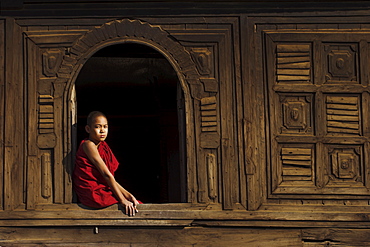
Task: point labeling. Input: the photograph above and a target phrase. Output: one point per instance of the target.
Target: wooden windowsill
(185, 214)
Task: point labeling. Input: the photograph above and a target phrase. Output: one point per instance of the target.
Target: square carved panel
(296, 111)
(345, 165)
(341, 63)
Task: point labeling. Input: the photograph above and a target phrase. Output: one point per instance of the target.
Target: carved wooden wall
(316, 100)
(276, 112)
(315, 105)
(54, 52)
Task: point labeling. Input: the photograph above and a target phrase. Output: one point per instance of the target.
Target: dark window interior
(138, 90)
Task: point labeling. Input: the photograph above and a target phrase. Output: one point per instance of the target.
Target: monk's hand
(132, 199)
(130, 208)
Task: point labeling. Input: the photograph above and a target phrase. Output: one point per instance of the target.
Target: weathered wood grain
(32, 127)
(189, 236)
(14, 180)
(2, 109)
(244, 147)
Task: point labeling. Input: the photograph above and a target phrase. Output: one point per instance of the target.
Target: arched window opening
(139, 91)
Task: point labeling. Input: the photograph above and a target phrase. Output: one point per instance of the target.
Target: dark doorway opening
(138, 90)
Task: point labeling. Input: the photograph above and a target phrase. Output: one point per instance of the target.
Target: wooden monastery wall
(276, 123)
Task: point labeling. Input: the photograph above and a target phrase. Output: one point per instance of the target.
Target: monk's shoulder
(88, 145)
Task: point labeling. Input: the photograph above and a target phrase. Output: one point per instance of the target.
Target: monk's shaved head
(92, 115)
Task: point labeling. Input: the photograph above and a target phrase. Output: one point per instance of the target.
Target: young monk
(93, 176)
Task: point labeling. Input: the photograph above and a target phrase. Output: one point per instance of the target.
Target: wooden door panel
(317, 88)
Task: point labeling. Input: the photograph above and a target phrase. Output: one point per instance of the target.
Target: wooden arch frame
(116, 32)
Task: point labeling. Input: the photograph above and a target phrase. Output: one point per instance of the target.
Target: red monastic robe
(90, 186)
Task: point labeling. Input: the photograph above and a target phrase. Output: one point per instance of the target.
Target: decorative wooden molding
(209, 114)
(346, 166)
(202, 58)
(133, 30)
(297, 114)
(46, 177)
(51, 60)
(210, 84)
(342, 64)
(211, 161)
(60, 38)
(46, 114)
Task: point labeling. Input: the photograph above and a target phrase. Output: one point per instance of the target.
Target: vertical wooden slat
(252, 115)
(32, 149)
(31, 182)
(182, 136)
(227, 113)
(259, 121)
(70, 143)
(239, 112)
(366, 132)
(201, 166)
(191, 152)
(321, 158)
(364, 58)
(58, 150)
(274, 102)
(14, 124)
(2, 82)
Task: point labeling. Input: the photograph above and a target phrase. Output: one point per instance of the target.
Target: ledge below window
(185, 214)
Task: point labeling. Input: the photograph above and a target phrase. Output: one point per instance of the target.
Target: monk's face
(98, 130)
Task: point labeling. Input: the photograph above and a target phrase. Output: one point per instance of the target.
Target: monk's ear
(87, 128)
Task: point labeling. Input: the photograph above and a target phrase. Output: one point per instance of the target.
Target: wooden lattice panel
(293, 62)
(343, 115)
(318, 114)
(296, 163)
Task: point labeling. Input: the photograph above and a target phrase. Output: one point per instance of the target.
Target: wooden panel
(59, 172)
(32, 161)
(324, 110)
(335, 237)
(229, 156)
(2, 112)
(185, 237)
(14, 180)
(293, 62)
(253, 116)
(343, 115)
(296, 163)
(212, 53)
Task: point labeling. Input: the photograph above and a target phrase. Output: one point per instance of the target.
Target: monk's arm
(128, 195)
(93, 155)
